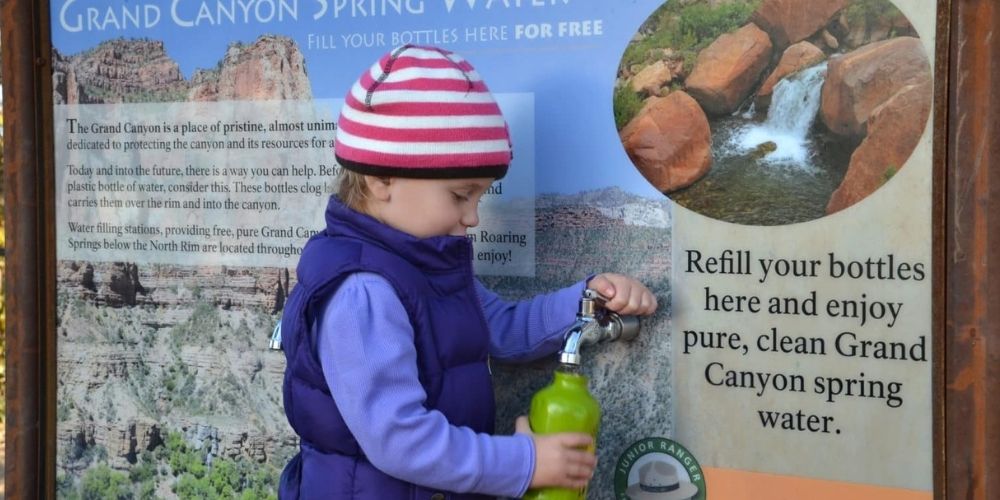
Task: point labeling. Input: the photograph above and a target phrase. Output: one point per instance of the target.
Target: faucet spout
(595, 324)
(275, 342)
(570, 353)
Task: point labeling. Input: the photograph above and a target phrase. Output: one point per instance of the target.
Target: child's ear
(378, 187)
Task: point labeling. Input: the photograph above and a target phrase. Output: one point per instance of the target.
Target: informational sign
(768, 176)
(802, 321)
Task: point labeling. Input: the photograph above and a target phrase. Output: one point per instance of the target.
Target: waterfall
(794, 104)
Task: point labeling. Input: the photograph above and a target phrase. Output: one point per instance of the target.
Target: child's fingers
(603, 285)
(631, 297)
(575, 440)
(522, 426)
(583, 461)
(625, 294)
(562, 460)
(642, 302)
(613, 286)
(580, 467)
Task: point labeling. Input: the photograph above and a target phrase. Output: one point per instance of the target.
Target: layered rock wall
(139, 70)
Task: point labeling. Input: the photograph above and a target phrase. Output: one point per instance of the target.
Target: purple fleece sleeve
(529, 329)
(369, 361)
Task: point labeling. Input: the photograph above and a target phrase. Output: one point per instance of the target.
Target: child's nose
(471, 217)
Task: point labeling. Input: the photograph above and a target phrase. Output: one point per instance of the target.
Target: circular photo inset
(772, 112)
(656, 468)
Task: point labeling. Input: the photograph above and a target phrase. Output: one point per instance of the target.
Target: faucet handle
(625, 327)
(590, 304)
(590, 293)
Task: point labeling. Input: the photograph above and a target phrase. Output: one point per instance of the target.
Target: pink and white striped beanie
(422, 112)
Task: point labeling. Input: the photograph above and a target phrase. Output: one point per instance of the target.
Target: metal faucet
(275, 343)
(594, 323)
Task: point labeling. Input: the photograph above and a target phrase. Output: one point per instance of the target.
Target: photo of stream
(761, 112)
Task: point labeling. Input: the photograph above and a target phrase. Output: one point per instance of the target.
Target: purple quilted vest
(433, 278)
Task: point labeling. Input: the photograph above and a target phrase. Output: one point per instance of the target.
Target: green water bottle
(565, 405)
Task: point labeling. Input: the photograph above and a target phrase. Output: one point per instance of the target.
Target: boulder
(894, 129)
(763, 149)
(669, 141)
(797, 57)
(728, 69)
(870, 29)
(651, 79)
(830, 40)
(861, 80)
(791, 21)
(675, 62)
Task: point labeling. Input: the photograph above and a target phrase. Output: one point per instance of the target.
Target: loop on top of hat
(422, 112)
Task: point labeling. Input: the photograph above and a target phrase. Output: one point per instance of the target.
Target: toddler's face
(433, 207)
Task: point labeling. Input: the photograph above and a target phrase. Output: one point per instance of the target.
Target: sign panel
(766, 175)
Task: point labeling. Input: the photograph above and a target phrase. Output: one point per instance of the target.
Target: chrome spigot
(275, 343)
(594, 323)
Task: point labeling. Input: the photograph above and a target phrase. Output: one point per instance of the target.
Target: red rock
(271, 68)
(865, 30)
(117, 71)
(791, 21)
(830, 40)
(860, 81)
(669, 141)
(651, 79)
(728, 69)
(120, 70)
(894, 129)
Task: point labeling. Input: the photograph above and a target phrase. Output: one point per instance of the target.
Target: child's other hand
(625, 294)
(560, 459)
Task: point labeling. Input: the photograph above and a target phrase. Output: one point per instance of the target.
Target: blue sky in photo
(516, 45)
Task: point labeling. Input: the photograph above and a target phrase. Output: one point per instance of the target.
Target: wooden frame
(31, 248)
(966, 232)
(968, 237)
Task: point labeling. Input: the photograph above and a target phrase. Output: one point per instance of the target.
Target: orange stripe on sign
(732, 484)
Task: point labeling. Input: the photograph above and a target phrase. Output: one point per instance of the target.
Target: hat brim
(685, 491)
(481, 171)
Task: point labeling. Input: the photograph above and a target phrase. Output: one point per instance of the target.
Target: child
(388, 335)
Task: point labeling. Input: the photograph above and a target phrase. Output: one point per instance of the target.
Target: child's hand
(560, 459)
(625, 294)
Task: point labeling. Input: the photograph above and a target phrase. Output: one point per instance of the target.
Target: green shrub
(147, 490)
(664, 35)
(204, 322)
(889, 173)
(704, 23)
(224, 478)
(65, 488)
(142, 471)
(626, 105)
(102, 483)
(688, 29)
(190, 487)
(862, 11)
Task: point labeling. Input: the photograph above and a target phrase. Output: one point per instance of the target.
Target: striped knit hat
(422, 112)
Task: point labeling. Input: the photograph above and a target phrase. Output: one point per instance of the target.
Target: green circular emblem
(657, 468)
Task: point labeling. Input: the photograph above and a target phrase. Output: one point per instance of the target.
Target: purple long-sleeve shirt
(367, 351)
